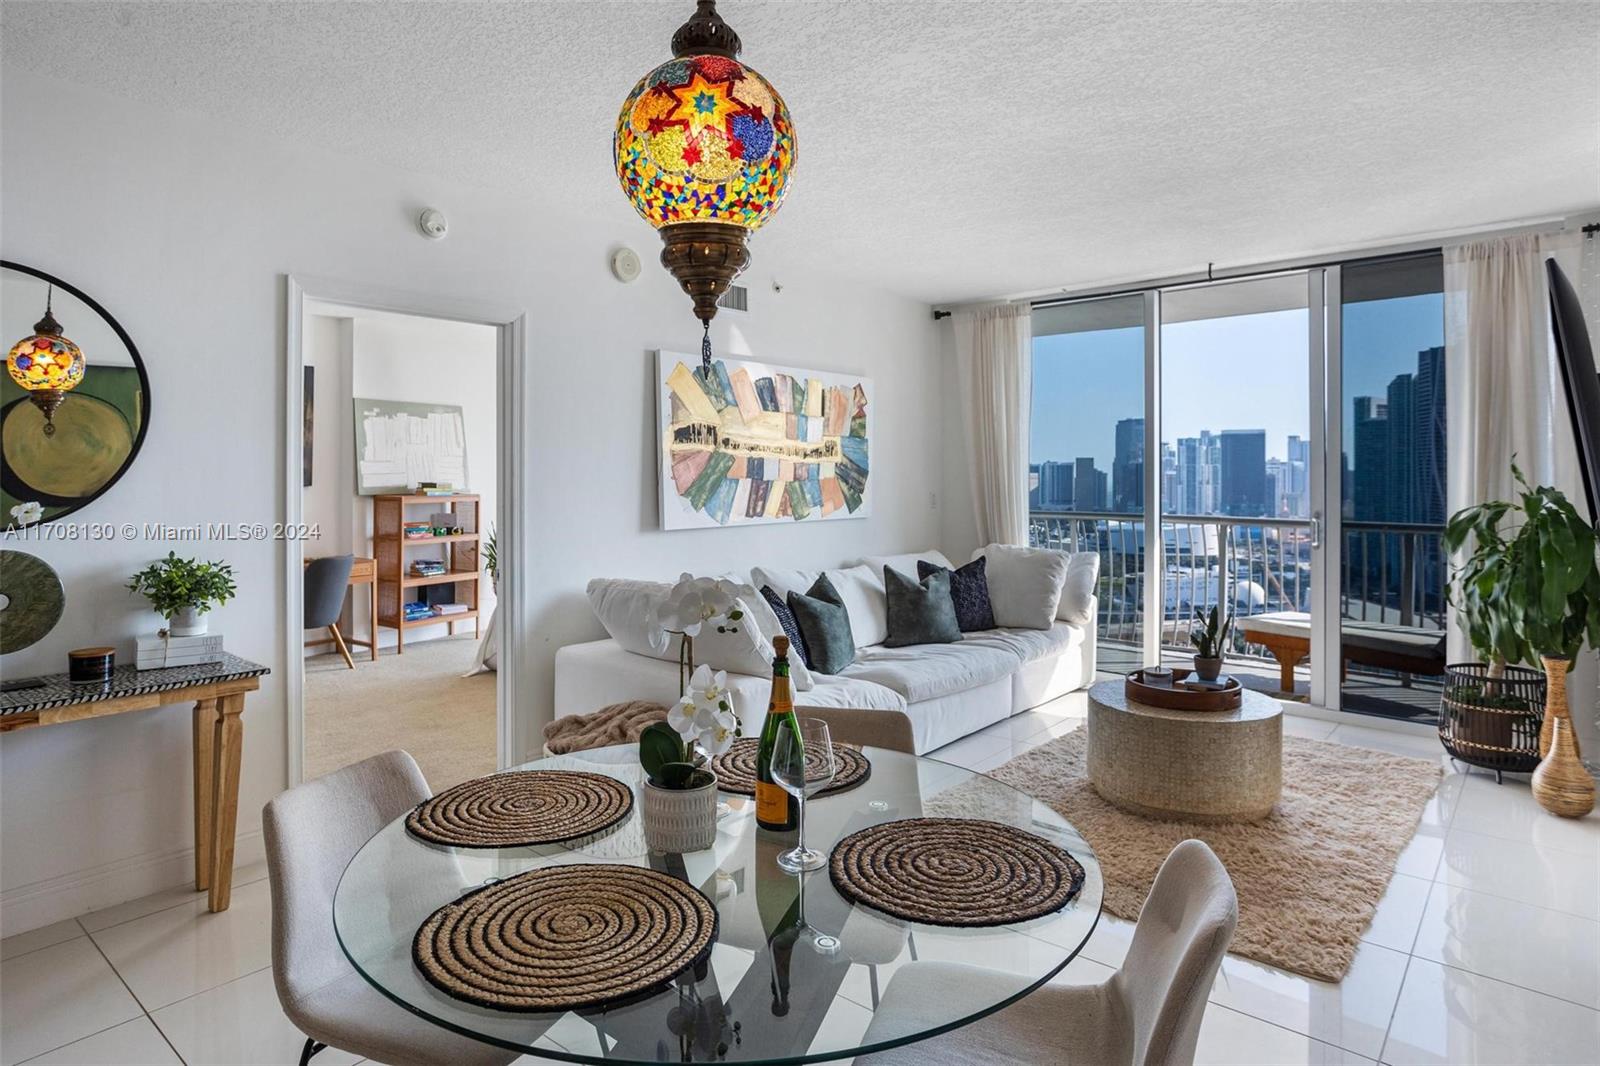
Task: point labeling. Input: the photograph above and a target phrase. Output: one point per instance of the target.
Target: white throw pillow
(1024, 584)
(741, 647)
(760, 612)
(906, 563)
(627, 609)
(1083, 570)
(860, 588)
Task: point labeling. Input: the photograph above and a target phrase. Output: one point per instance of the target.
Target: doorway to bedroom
(400, 507)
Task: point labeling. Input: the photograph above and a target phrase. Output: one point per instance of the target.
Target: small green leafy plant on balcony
(1210, 633)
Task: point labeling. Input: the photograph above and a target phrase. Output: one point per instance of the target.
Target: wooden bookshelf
(461, 557)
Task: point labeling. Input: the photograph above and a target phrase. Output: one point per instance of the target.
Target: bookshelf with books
(412, 583)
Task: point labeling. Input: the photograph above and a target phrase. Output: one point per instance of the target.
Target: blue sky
(1240, 372)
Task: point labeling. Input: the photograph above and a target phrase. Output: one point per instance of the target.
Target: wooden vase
(1560, 784)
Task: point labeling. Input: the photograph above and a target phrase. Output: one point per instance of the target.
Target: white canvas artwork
(401, 444)
(756, 443)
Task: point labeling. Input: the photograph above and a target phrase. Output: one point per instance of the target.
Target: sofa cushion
(907, 562)
(1083, 570)
(920, 612)
(825, 622)
(627, 609)
(788, 622)
(1024, 584)
(766, 617)
(928, 671)
(969, 593)
(1029, 645)
(860, 589)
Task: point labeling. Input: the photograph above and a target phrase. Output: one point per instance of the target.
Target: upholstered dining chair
(1146, 1014)
(866, 728)
(325, 582)
(312, 832)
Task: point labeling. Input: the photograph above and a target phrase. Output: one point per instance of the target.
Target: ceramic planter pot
(680, 820)
(1207, 669)
(188, 622)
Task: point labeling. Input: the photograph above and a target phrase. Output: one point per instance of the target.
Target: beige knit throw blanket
(620, 723)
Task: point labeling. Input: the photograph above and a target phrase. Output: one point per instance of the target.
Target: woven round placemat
(954, 871)
(736, 767)
(521, 807)
(566, 937)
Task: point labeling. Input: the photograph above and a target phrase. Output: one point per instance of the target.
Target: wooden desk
(364, 571)
(218, 690)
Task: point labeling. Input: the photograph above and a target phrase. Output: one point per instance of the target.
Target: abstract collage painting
(753, 443)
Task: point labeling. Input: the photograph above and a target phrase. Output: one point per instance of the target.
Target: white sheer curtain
(994, 364)
(1504, 395)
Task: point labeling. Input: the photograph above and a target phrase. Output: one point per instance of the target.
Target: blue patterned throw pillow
(969, 591)
(786, 619)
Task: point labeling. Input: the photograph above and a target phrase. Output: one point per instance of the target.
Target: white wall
(376, 355)
(183, 229)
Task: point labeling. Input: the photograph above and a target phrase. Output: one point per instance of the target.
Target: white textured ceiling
(947, 150)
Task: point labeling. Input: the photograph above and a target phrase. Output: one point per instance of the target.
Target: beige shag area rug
(418, 702)
(1308, 876)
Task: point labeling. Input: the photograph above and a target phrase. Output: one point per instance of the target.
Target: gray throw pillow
(830, 646)
(920, 613)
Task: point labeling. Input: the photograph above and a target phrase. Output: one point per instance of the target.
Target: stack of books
(435, 488)
(427, 567)
(156, 652)
(417, 610)
(443, 609)
(416, 530)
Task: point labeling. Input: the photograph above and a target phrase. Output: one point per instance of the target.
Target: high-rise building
(1278, 485)
(1127, 466)
(1169, 476)
(1297, 490)
(1428, 439)
(1055, 486)
(1088, 486)
(1400, 482)
(1244, 472)
(1369, 476)
(1033, 486)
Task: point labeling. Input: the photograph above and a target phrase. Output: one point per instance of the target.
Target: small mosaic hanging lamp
(704, 149)
(46, 364)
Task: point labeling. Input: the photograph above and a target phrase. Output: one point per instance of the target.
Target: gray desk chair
(325, 582)
(1146, 1014)
(312, 831)
(865, 728)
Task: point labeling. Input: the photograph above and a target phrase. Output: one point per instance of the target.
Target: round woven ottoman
(1191, 766)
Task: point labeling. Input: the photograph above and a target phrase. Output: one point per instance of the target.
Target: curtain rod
(1399, 249)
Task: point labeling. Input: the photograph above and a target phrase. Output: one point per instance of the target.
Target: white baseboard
(41, 903)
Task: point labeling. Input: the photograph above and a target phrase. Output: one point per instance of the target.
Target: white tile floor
(1486, 949)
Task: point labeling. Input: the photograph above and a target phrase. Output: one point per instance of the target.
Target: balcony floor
(1379, 695)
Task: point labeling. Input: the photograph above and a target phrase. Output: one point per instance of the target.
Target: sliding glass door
(1273, 446)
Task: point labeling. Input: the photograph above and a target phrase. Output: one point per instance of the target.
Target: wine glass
(803, 764)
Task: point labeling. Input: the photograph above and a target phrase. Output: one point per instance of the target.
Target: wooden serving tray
(1178, 698)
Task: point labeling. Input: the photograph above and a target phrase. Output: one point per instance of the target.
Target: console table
(218, 690)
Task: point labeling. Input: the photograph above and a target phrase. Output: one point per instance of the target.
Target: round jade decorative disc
(31, 600)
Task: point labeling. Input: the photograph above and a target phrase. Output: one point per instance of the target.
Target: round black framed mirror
(69, 430)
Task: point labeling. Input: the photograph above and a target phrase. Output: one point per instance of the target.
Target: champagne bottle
(776, 810)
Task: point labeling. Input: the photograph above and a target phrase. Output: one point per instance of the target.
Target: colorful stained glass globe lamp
(46, 365)
(704, 149)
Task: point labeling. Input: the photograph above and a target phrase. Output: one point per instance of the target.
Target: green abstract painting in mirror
(64, 448)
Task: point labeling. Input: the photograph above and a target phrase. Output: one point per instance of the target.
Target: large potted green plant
(183, 590)
(1529, 588)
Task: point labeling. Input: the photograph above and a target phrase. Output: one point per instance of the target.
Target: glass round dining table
(796, 969)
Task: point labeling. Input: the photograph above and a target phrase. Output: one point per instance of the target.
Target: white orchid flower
(694, 601)
(26, 514)
(681, 717)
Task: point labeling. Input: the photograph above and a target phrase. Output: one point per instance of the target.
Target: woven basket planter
(1492, 722)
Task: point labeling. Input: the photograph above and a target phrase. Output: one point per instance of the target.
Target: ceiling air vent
(737, 298)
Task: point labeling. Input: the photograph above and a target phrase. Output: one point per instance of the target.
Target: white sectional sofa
(947, 690)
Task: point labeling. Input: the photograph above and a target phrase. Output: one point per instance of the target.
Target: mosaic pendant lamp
(704, 149)
(46, 364)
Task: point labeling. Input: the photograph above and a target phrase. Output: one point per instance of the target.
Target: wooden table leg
(205, 724)
(225, 797)
(1286, 661)
(372, 619)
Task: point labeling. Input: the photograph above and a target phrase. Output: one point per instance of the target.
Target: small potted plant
(1540, 580)
(680, 791)
(183, 590)
(1210, 640)
(491, 559)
